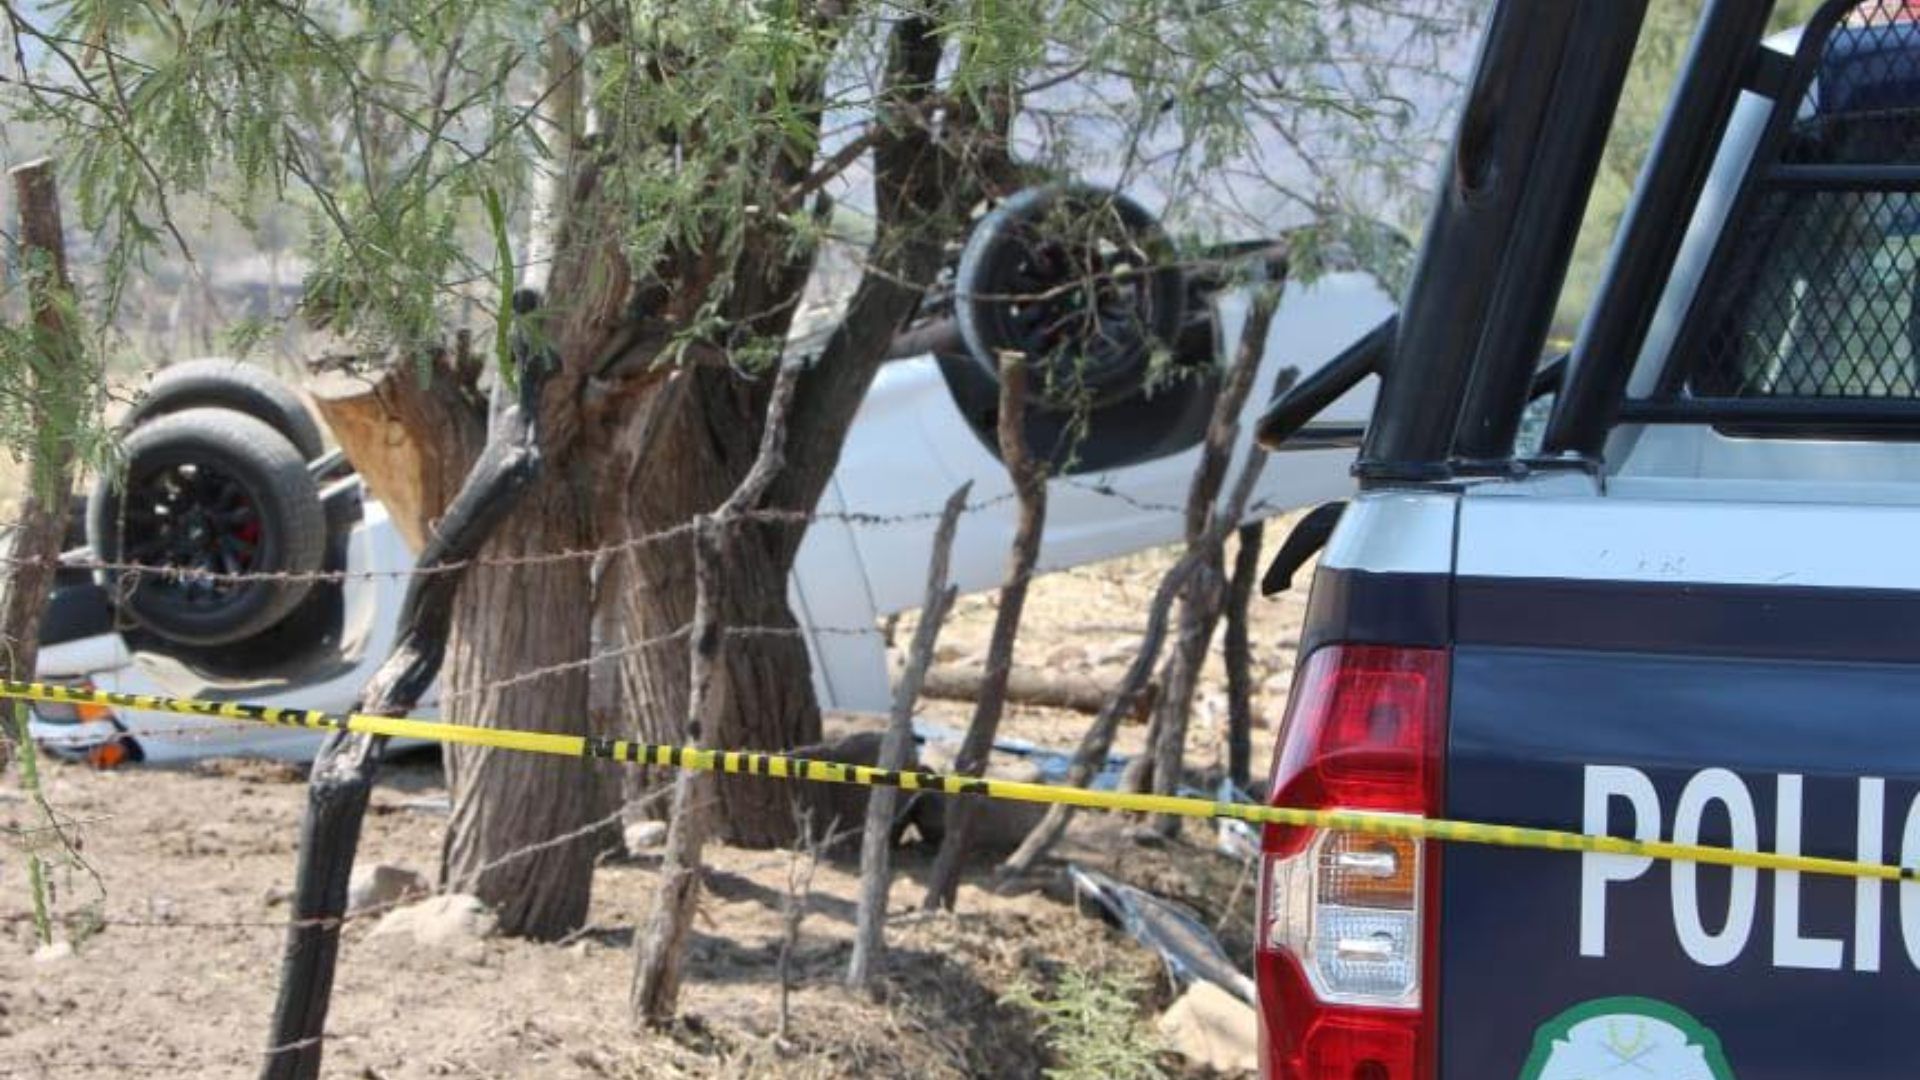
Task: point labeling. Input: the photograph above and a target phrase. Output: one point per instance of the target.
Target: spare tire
(1080, 280)
(230, 384)
(219, 493)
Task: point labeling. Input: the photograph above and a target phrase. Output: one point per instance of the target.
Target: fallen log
(1079, 692)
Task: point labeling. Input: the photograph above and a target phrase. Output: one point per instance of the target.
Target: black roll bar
(1367, 356)
(1718, 64)
(1467, 241)
(1559, 182)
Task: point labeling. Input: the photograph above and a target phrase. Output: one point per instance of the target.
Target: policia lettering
(786, 766)
(1722, 796)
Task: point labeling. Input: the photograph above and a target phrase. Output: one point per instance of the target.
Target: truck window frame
(1768, 172)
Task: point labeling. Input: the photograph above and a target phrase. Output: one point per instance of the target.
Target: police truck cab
(1686, 609)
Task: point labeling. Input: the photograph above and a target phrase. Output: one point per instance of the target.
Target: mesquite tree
(659, 180)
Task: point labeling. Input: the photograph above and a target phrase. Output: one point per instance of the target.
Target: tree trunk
(41, 522)
(709, 422)
(342, 778)
(516, 836)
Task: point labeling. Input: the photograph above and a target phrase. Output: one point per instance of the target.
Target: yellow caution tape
(786, 766)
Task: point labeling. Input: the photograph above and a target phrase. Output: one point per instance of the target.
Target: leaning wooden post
(34, 547)
(1208, 522)
(876, 842)
(342, 777)
(1237, 650)
(1029, 474)
(661, 945)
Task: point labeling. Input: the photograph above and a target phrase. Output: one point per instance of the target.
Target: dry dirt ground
(178, 935)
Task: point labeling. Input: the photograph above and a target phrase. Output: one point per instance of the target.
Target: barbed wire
(83, 921)
(136, 572)
(680, 531)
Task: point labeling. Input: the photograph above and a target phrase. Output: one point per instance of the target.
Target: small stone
(1276, 686)
(1069, 656)
(947, 652)
(53, 952)
(1210, 1027)
(381, 886)
(275, 895)
(439, 921)
(644, 836)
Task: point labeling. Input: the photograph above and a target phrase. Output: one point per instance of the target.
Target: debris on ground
(1210, 1027)
(1190, 951)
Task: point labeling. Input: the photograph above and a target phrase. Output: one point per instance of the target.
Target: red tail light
(1345, 920)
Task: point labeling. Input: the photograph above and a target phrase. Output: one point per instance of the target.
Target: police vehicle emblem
(1622, 1037)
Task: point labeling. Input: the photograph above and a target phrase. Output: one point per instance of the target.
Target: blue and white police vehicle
(1688, 607)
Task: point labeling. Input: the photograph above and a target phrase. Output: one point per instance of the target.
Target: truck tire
(1036, 277)
(216, 491)
(229, 384)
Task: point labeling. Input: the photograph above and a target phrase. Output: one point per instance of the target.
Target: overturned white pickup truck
(227, 477)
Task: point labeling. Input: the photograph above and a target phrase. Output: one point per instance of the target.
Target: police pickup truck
(1689, 610)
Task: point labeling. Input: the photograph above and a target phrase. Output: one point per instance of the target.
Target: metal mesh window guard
(1817, 295)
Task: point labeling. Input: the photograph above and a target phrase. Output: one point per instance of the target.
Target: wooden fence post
(34, 547)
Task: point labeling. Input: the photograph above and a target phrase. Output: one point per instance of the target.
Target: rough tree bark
(1237, 652)
(661, 944)
(876, 842)
(1029, 474)
(921, 189)
(1208, 523)
(510, 811)
(41, 522)
(604, 413)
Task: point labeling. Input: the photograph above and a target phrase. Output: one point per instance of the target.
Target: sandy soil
(179, 934)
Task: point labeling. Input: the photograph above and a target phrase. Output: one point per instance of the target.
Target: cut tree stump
(378, 416)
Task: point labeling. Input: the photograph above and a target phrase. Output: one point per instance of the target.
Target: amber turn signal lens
(1368, 871)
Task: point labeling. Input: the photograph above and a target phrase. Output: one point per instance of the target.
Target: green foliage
(50, 382)
(1092, 1024)
(51, 854)
(410, 133)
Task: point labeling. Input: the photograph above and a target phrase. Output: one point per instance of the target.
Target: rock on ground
(453, 919)
(1210, 1027)
(383, 885)
(644, 836)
